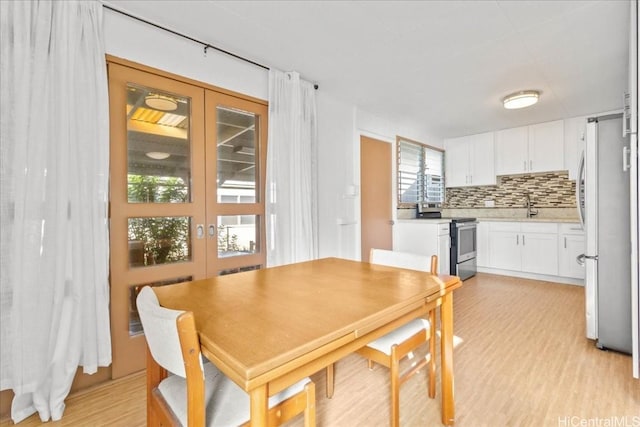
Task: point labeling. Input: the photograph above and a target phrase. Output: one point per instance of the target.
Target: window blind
(420, 173)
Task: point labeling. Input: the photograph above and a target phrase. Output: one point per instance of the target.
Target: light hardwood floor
(521, 359)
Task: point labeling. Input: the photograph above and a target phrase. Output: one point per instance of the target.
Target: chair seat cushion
(227, 404)
(399, 335)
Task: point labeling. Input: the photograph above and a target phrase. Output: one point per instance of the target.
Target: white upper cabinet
(546, 146)
(511, 150)
(574, 136)
(469, 160)
(529, 149)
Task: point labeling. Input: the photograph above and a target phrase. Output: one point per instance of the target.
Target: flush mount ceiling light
(161, 102)
(521, 99)
(157, 155)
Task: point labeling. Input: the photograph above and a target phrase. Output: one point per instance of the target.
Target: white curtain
(54, 180)
(291, 209)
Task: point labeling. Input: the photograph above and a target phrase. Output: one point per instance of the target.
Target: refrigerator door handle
(580, 258)
(580, 190)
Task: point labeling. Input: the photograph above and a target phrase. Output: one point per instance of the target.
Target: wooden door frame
(128, 351)
(390, 142)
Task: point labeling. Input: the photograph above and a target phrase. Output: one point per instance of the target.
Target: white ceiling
(445, 64)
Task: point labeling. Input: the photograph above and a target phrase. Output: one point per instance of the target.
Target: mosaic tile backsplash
(546, 190)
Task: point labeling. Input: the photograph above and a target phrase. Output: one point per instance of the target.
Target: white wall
(339, 124)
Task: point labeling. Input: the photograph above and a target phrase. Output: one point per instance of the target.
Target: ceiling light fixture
(157, 155)
(161, 102)
(520, 99)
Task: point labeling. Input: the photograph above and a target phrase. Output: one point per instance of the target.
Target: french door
(186, 190)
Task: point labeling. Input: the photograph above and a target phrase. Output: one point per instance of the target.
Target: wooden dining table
(267, 329)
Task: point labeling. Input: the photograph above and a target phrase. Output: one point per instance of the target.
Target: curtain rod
(205, 44)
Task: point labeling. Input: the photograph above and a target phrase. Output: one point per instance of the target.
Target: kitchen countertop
(425, 220)
(534, 219)
(557, 215)
(510, 219)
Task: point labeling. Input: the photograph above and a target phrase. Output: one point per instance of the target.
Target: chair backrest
(404, 260)
(160, 327)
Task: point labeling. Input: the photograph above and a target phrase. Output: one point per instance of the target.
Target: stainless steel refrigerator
(603, 203)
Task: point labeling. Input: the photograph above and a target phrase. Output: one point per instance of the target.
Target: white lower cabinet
(424, 237)
(570, 245)
(482, 246)
(523, 246)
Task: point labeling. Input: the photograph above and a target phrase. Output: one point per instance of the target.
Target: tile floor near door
(520, 359)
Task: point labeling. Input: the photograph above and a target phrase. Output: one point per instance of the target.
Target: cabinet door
(457, 161)
(511, 151)
(546, 147)
(540, 253)
(504, 252)
(574, 137)
(482, 255)
(481, 159)
(444, 254)
(571, 245)
(416, 237)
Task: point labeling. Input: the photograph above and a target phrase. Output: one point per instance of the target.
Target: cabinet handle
(525, 165)
(523, 240)
(470, 179)
(517, 239)
(530, 165)
(565, 243)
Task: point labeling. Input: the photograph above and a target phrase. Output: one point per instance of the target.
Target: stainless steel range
(463, 240)
(463, 247)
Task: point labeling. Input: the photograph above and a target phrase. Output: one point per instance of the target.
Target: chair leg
(330, 380)
(432, 355)
(310, 410)
(370, 364)
(395, 388)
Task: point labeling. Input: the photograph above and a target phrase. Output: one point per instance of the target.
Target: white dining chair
(391, 348)
(195, 393)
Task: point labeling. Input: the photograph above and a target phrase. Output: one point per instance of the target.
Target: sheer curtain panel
(54, 182)
(291, 209)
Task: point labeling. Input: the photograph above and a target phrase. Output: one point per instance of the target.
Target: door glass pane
(237, 154)
(237, 235)
(158, 146)
(135, 327)
(159, 240)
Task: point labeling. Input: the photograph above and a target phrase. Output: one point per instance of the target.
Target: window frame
(421, 171)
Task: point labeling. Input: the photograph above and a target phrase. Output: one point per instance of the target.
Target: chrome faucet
(530, 211)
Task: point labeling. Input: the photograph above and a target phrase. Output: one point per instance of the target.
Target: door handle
(580, 259)
(212, 230)
(199, 231)
(626, 158)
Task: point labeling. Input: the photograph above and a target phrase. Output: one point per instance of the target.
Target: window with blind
(420, 172)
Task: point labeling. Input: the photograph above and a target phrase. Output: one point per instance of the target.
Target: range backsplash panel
(546, 190)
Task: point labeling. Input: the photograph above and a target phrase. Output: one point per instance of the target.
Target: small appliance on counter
(429, 210)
